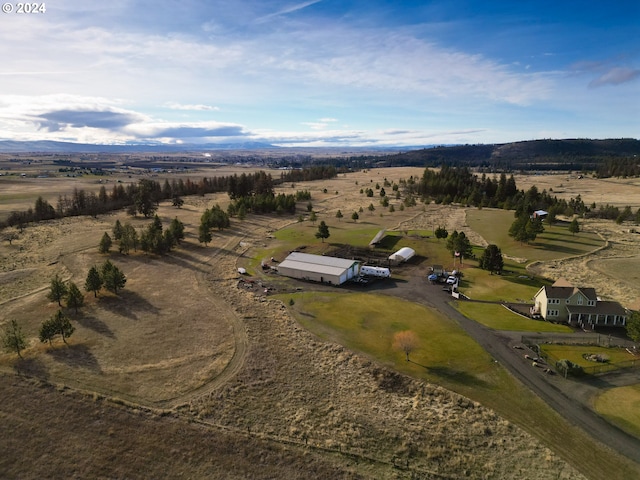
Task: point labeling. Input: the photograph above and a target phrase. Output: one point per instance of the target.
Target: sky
(330, 73)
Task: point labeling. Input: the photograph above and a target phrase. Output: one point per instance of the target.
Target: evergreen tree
(75, 299)
(492, 259)
(117, 230)
(13, 339)
(323, 231)
(313, 217)
(441, 232)
(355, 216)
(574, 226)
(112, 277)
(57, 290)
(94, 281)
(339, 215)
(58, 324)
(105, 243)
(176, 227)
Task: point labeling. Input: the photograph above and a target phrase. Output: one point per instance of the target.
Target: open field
(184, 337)
(619, 192)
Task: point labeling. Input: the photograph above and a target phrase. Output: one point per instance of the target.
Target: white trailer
(380, 272)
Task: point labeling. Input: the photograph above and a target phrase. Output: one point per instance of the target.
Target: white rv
(380, 272)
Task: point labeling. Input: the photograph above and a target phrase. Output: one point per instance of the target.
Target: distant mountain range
(45, 146)
(567, 154)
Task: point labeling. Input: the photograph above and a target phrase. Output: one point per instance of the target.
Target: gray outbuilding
(318, 268)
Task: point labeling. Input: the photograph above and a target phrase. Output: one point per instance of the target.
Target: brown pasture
(183, 366)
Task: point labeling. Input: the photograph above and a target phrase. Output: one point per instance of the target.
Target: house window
(567, 301)
(591, 303)
(552, 313)
(579, 300)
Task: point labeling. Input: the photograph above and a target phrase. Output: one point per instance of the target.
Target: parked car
(433, 277)
(451, 280)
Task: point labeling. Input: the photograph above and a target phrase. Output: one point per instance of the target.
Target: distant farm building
(541, 214)
(319, 268)
(402, 255)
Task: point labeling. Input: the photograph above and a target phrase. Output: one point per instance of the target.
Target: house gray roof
(602, 307)
(566, 292)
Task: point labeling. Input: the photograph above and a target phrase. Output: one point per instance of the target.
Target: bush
(567, 367)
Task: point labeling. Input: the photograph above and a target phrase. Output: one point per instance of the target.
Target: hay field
(182, 336)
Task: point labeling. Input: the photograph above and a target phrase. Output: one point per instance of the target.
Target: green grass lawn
(621, 406)
(368, 323)
(499, 318)
(555, 242)
(511, 286)
(575, 352)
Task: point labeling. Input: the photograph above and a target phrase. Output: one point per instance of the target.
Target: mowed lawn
(621, 406)
(555, 242)
(498, 317)
(575, 352)
(367, 323)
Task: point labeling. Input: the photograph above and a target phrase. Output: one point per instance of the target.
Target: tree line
(461, 185)
(144, 196)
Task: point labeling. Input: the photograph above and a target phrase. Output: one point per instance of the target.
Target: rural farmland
(264, 376)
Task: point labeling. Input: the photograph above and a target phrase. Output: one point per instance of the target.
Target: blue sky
(320, 73)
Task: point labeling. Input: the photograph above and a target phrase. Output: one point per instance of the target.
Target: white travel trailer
(380, 272)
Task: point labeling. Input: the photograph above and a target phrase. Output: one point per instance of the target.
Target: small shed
(402, 255)
(541, 214)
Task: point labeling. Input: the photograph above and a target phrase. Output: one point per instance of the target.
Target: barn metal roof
(317, 263)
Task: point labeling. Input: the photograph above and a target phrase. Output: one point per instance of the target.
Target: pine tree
(574, 226)
(75, 299)
(105, 243)
(13, 338)
(112, 277)
(323, 231)
(94, 281)
(57, 290)
(492, 259)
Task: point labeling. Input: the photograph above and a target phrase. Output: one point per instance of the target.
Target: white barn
(319, 268)
(402, 255)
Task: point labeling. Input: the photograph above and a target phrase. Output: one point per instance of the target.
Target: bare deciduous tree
(407, 341)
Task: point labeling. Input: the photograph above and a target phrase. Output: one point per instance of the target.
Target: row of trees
(144, 196)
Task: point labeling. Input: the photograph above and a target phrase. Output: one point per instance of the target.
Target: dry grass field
(185, 375)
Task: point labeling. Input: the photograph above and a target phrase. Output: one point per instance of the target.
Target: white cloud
(194, 107)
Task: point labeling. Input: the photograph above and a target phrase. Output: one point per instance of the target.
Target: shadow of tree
(127, 303)
(454, 375)
(78, 355)
(31, 367)
(95, 324)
